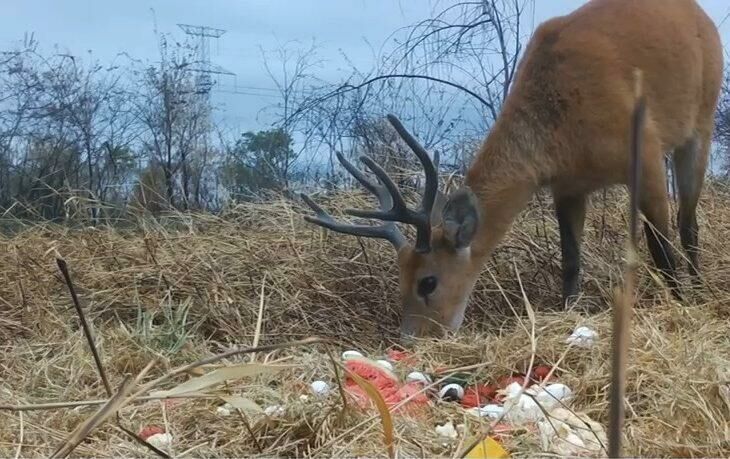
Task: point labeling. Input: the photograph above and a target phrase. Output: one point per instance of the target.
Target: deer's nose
(407, 335)
(408, 331)
(406, 339)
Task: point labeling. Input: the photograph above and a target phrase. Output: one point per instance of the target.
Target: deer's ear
(460, 217)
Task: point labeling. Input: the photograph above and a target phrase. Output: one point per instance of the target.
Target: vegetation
(185, 241)
(186, 287)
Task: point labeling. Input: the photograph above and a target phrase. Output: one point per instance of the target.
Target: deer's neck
(504, 176)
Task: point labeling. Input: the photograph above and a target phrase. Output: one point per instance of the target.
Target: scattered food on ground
(447, 430)
(583, 337)
(147, 431)
(160, 440)
(351, 354)
(320, 388)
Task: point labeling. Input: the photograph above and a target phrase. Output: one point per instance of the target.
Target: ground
(179, 288)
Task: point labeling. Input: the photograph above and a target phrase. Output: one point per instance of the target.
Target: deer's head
(437, 273)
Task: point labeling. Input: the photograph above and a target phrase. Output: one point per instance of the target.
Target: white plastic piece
(571, 434)
(513, 390)
(274, 411)
(520, 406)
(223, 411)
(385, 364)
(447, 431)
(583, 337)
(491, 411)
(417, 376)
(527, 409)
(347, 355)
(454, 389)
(160, 440)
(554, 395)
(474, 412)
(531, 404)
(320, 388)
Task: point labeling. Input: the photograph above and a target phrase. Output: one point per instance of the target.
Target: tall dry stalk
(622, 309)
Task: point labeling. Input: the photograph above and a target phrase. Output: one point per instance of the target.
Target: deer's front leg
(571, 212)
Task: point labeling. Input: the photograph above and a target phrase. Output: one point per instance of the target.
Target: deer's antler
(387, 230)
(393, 207)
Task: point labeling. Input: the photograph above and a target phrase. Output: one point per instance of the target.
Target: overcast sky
(356, 28)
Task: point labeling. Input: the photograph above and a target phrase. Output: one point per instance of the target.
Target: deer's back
(577, 77)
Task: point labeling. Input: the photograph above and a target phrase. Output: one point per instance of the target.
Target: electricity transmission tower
(203, 66)
(205, 70)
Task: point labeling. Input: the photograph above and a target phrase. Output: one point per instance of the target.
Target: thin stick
(114, 404)
(75, 403)
(139, 439)
(82, 430)
(166, 424)
(84, 324)
(335, 368)
(260, 318)
(247, 424)
(20, 437)
(533, 350)
(623, 302)
(63, 267)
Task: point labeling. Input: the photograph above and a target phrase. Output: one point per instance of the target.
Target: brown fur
(566, 125)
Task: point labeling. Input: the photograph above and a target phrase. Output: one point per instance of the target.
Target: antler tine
(431, 175)
(431, 187)
(393, 207)
(359, 176)
(398, 211)
(386, 231)
(382, 192)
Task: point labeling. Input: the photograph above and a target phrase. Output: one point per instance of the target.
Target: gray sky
(356, 28)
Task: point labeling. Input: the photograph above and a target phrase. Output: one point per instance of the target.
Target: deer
(564, 126)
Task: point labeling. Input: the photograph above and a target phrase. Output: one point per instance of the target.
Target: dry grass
(184, 287)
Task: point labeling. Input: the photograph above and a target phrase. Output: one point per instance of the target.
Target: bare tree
(290, 68)
(71, 127)
(446, 77)
(97, 111)
(172, 113)
(65, 131)
(19, 94)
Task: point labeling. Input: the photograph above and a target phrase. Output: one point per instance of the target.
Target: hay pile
(183, 287)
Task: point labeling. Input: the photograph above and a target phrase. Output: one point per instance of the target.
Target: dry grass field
(180, 288)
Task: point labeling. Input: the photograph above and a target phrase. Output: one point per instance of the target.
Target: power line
(244, 93)
(724, 19)
(257, 88)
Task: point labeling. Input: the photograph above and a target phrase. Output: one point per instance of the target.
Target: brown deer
(564, 125)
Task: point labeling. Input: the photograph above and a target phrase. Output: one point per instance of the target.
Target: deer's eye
(427, 285)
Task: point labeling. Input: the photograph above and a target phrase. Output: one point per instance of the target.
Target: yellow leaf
(221, 375)
(487, 448)
(385, 417)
